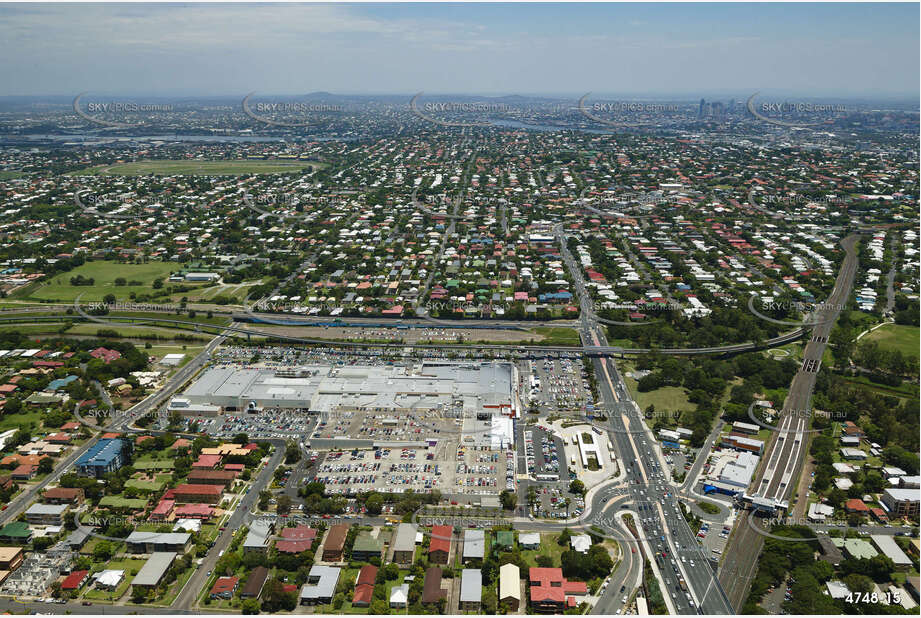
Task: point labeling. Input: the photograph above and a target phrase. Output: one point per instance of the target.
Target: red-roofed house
(75, 580)
(224, 587)
(194, 511)
(47, 364)
(187, 492)
(856, 505)
(58, 438)
(364, 586)
(163, 510)
(549, 590)
(295, 540)
(207, 462)
(70, 426)
(440, 544)
(24, 472)
(106, 355)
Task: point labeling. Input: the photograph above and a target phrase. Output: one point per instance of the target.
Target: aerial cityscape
(460, 308)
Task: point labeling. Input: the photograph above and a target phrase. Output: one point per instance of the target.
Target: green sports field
(896, 337)
(173, 167)
(104, 273)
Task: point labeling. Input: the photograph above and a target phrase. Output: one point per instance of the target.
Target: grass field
(104, 274)
(666, 398)
(146, 486)
(119, 502)
(558, 335)
(173, 167)
(548, 547)
(30, 420)
(896, 337)
(10, 174)
(138, 332)
(44, 328)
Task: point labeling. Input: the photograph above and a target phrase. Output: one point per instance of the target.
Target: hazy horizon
(846, 50)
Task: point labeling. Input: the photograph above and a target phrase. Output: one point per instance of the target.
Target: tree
(563, 539)
(509, 500)
(577, 487)
(103, 551)
(544, 561)
(374, 504)
(250, 606)
(45, 465)
(283, 507)
(490, 601)
(292, 453)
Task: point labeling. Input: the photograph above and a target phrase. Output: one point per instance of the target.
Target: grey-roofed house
(404, 544)
(154, 569)
(257, 539)
(831, 553)
(529, 540)
(76, 539)
(46, 514)
(150, 542)
(321, 585)
(471, 589)
(474, 544)
(890, 548)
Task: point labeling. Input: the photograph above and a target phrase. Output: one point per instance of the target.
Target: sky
(808, 49)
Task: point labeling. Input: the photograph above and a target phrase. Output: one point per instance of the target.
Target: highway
(784, 456)
(678, 556)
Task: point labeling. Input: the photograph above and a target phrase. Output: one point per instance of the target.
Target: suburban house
(440, 544)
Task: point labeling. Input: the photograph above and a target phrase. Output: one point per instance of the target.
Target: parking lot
(555, 384)
(269, 423)
(545, 458)
(713, 537)
(446, 466)
(369, 425)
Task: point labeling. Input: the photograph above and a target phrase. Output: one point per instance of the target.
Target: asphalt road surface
(787, 450)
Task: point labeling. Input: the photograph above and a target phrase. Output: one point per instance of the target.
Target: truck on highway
(682, 583)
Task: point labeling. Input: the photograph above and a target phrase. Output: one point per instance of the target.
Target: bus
(548, 477)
